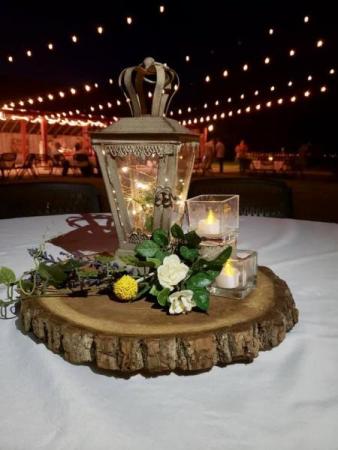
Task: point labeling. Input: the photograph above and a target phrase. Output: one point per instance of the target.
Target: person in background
(241, 151)
(220, 153)
(209, 154)
(58, 158)
(83, 161)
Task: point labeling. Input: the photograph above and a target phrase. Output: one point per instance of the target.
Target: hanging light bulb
(74, 38)
(230, 113)
(307, 94)
(258, 107)
(50, 46)
(323, 89)
(10, 59)
(129, 20)
(225, 73)
(72, 91)
(229, 100)
(290, 83)
(207, 79)
(267, 60)
(29, 53)
(280, 101)
(110, 81)
(272, 88)
(320, 43)
(118, 102)
(309, 78)
(293, 98)
(248, 109)
(216, 103)
(256, 93)
(306, 19)
(268, 104)
(245, 67)
(61, 94)
(162, 9)
(271, 31)
(187, 58)
(222, 115)
(99, 29)
(332, 72)
(242, 96)
(210, 128)
(292, 52)
(87, 88)
(189, 109)
(205, 105)
(50, 96)
(40, 99)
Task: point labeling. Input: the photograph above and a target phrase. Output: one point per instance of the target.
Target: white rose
(181, 302)
(171, 272)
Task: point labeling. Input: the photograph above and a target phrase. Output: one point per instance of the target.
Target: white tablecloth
(286, 399)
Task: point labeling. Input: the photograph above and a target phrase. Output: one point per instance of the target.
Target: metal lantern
(146, 160)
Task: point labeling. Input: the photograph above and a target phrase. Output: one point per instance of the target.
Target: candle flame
(211, 219)
(228, 269)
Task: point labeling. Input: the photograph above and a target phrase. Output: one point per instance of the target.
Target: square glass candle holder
(238, 276)
(214, 217)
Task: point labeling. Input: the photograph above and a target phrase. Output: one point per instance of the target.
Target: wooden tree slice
(131, 337)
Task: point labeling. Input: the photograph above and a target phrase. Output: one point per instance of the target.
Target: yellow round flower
(126, 288)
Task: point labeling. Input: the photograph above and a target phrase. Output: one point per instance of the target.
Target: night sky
(216, 35)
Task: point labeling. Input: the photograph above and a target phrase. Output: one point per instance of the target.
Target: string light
(162, 9)
(87, 87)
(40, 99)
(332, 72)
(29, 53)
(271, 31)
(280, 101)
(99, 29)
(267, 60)
(248, 109)
(320, 43)
(187, 58)
(306, 19)
(225, 73)
(290, 83)
(230, 113)
(258, 107)
(242, 96)
(245, 67)
(272, 88)
(216, 103)
(50, 96)
(268, 104)
(118, 102)
(229, 100)
(50, 46)
(309, 78)
(74, 38)
(61, 94)
(239, 111)
(205, 105)
(292, 52)
(307, 93)
(110, 81)
(323, 89)
(72, 91)
(129, 20)
(210, 128)
(256, 93)
(10, 59)
(189, 109)
(293, 98)
(207, 79)
(31, 101)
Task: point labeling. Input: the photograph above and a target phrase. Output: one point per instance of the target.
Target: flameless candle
(228, 277)
(209, 226)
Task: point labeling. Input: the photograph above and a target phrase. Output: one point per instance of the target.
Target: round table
(286, 399)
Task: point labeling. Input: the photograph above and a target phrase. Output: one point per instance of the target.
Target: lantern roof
(146, 128)
(149, 89)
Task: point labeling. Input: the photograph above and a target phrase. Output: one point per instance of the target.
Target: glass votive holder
(238, 276)
(214, 217)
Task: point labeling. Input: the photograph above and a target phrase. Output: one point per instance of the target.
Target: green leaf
(154, 291)
(156, 262)
(70, 265)
(52, 273)
(162, 297)
(199, 280)
(87, 273)
(143, 289)
(189, 254)
(192, 239)
(105, 259)
(160, 255)
(26, 285)
(160, 237)
(147, 249)
(177, 232)
(221, 258)
(7, 276)
(213, 273)
(149, 223)
(131, 260)
(201, 298)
